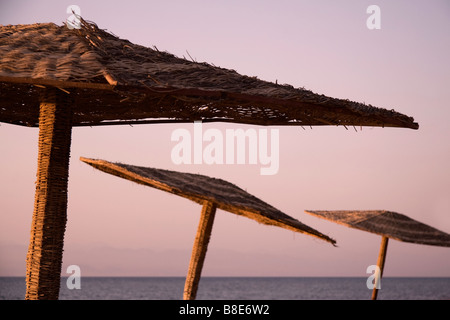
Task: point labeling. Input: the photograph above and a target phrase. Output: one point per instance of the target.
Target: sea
(239, 288)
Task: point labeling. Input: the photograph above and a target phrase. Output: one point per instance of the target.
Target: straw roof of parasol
(200, 188)
(113, 81)
(388, 224)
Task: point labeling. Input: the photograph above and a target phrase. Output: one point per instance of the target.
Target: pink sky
(117, 228)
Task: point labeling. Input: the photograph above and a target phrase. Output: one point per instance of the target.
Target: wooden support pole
(199, 250)
(44, 258)
(380, 264)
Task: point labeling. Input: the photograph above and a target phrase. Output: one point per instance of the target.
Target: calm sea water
(237, 288)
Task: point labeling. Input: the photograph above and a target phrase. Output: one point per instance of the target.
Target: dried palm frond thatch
(200, 188)
(387, 224)
(114, 81)
(213, 194)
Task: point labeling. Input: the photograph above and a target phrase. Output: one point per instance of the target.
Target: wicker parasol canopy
(200, 188)
(389, 224)
(113, 81)
(212, 194)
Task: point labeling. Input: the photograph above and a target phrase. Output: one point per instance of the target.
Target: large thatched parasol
(212, 194)
(57, 78)
(113, 80)
(389, 225)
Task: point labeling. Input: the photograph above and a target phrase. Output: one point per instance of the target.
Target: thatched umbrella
(388, 224)
(55, 78)
(212, 194)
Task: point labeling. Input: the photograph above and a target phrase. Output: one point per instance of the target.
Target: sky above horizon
(118, 228)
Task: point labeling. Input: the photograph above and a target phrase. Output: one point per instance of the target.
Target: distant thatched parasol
(57, 78)
(389, 225)
(211, 193)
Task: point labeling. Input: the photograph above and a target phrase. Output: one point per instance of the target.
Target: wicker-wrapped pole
(199, 250)
(44, 258)
(380, 264)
